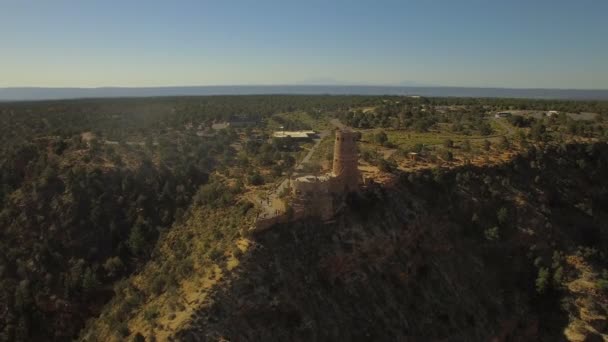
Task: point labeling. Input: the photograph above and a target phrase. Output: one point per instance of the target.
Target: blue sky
(515, 43)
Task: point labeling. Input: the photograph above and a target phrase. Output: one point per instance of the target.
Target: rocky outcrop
(467, 255)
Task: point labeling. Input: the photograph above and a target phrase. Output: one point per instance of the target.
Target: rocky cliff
(511, 252)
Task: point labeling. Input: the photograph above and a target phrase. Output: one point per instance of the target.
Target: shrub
(255, 179)
(386, 166)
(381, 138)
(557, 276)
(245, 207)
(216, 194)
(446, 155)
(158, 284)
(151, 314)
(475, 218)
(485, 129)
(492, 234)
(185, 267)
(504, 143)
(113, 266)
(123, 329)
(486, 145)
(139, 338)
(215, 254)
(418, 148)
(136, 240)
(89, 280)
(542, 280)
(502, 214)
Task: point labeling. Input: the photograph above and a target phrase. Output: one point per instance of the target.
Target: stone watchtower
(345, 161)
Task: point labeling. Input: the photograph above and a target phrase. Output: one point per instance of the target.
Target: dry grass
(208, 239)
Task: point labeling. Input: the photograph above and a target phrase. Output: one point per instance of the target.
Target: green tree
(139, 338)
(504, 143)
(289, 161)
(537, 131)
(446, 155)
(113, 266)
(381, 138)
(557, 276)
(23, 296)
(486, 145)
(492, 234)
(74, 279)
(137, 241)
(256, 179)
(89, 280)
(276, 170)
(542, 280)
(502, 215)
(386, 166)
(485, 129)
(22, 331)
(418, 148)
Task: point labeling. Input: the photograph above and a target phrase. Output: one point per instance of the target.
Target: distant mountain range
(35, 93)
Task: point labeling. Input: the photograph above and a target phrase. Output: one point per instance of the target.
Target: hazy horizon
(297, 84)
(35, 93)
(473, 43)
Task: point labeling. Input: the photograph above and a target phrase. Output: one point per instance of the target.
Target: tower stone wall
(345, 161)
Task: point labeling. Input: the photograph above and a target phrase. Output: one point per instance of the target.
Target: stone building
(323, 195)
(345, 169)
(320, 195)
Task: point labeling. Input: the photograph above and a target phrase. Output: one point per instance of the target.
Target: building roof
(313, 179)
(220, 125)
(293, 134)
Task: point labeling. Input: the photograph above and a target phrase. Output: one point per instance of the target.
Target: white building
(294, 134)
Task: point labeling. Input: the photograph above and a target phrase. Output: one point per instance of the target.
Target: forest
(90, 188)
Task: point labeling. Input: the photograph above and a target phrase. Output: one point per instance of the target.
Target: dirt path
(336, 123)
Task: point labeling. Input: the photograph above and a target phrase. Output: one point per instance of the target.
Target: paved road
(312, 150)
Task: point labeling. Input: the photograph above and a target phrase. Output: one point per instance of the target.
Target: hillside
(512, 252)
(75, 219)
(125, 218)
